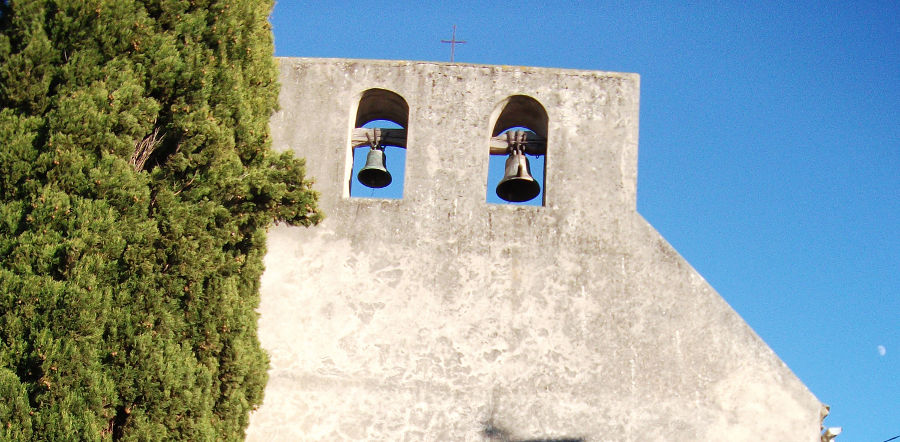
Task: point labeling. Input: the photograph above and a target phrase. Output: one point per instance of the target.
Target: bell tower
(438, 316)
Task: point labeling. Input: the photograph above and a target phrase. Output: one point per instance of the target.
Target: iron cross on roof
(453, 42)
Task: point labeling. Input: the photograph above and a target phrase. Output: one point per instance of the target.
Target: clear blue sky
(769, 151)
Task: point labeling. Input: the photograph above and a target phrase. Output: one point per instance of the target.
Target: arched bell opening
(378, 145)
(518, 152)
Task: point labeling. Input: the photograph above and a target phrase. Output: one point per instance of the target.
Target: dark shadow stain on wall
(495, 433)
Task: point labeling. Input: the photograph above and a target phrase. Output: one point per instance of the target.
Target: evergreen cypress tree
(136, 184)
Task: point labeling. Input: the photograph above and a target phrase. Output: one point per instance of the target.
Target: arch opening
(519, 170)
(378, 145)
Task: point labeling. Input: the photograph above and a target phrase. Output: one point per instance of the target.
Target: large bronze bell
(517, 184)
(375, 173)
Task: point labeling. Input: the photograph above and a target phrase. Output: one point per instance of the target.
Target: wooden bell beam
(499, 145)
(388, 137)
(534, 144)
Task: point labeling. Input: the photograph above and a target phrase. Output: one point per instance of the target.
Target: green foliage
(128, 284)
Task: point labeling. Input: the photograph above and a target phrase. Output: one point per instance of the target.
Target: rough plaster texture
(440, 317)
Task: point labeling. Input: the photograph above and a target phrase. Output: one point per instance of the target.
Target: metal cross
(453, 42)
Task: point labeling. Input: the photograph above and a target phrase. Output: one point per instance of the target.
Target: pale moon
(881, 350)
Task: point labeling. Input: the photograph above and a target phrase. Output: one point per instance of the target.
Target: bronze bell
(375, 173)
(517, 184)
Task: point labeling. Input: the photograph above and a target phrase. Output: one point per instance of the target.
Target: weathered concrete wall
(440, 317)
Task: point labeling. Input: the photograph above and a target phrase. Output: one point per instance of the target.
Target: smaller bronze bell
(375, 173)
(517, 184)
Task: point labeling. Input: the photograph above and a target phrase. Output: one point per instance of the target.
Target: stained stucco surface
(440, 317)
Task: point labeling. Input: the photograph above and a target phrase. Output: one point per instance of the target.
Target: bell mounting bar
(386, 137)
(534, 144)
